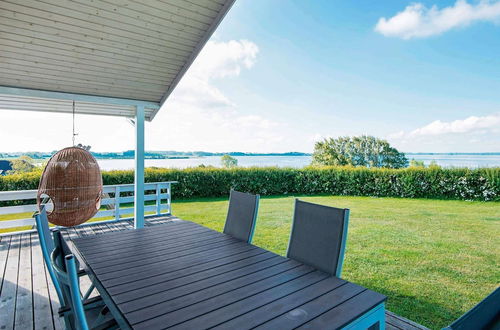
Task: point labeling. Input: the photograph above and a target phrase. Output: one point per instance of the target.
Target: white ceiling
(125, 49)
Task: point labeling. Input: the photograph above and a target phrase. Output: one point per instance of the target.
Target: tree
(417, 163)
(420, 163)
(434, 165)
(228, 161)
(22, 164)
(362, 150)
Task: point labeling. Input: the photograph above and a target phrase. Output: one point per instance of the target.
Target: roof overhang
(12, 98)
(108, 57)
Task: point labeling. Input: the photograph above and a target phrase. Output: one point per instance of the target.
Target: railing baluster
(158, 199)
(117, 203)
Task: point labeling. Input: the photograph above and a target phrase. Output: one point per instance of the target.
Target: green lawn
(434, 259)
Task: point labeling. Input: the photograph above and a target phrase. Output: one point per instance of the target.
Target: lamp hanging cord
(74, 134)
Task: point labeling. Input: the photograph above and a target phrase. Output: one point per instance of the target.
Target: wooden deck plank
(97, 229)
(24, 299)
(54, 302)
(9, 285)
(399, 322)
(41, 300)
(4, 252)
(44, 299)
(84, 231)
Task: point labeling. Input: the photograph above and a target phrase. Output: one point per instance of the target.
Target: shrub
(465, 184)
(362, 150)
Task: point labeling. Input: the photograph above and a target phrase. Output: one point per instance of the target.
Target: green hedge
(466, 184)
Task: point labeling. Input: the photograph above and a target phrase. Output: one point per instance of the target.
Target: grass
(434, 259)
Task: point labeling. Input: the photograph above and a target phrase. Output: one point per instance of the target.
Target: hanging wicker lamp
(70, 187)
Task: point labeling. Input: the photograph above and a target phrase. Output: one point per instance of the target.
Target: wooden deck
(27, 297)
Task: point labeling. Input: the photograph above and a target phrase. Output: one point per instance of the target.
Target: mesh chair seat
(318, 236)
(241, 215)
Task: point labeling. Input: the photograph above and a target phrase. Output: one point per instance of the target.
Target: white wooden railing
(156, 196)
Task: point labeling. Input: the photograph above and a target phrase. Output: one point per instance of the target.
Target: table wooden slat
(281, 305)
(158, 238)
(201, 259)
(184, 276)
(173, 274)
(159, 250)
(137, 259)
(344, 313)
(200, 280)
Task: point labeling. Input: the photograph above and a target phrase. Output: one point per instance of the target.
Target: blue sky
(279, 75)
(325, 67)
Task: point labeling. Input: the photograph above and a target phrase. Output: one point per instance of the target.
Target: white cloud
(472, 124)
(418, 21)
(472, 134)
(217, 60)
(466, 125)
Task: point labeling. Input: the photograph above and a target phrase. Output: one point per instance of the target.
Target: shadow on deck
(27, 297)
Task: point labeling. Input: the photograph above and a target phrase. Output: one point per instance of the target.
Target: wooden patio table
(185, 276)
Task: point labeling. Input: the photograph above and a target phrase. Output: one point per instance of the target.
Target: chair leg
(89, 292)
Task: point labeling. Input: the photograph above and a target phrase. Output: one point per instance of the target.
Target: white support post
(139, 168)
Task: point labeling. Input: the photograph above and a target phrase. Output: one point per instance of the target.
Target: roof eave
(101, 100)
(220, 16)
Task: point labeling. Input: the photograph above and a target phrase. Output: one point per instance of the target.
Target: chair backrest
(318, 236)
(47, 246)
(485, 315)
(241, 215)
(65, 268)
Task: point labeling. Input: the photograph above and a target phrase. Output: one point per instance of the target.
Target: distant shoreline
(202, 154)
(455, 153)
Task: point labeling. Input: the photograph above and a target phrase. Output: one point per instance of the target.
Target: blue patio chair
(48, 243)
(318, 236)
(82, 314)
(485, 315)
(47, 246)
(241, 215)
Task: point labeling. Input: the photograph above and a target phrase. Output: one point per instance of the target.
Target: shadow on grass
(424, 312)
